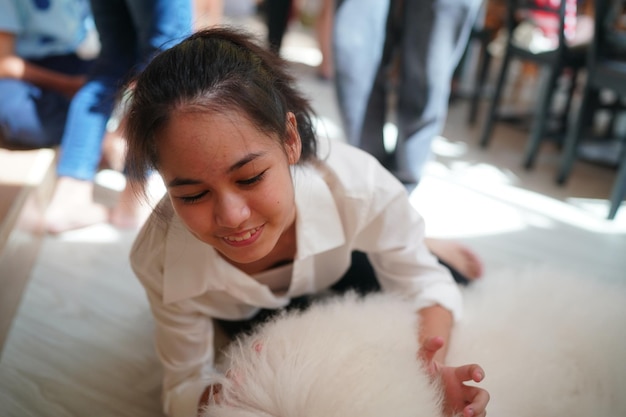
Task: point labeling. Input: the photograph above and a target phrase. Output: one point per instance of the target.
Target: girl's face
(229, 182)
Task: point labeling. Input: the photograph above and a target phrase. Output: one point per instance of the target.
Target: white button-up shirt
(346, 202)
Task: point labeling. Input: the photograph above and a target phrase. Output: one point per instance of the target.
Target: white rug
(551, 344)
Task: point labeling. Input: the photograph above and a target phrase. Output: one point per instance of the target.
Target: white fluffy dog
(551, 346)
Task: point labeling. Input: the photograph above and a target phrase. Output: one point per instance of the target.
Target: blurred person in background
(406, 50)
(316, 13)
(207, 13)
(277, 16)
(45, 55)
(131, 32)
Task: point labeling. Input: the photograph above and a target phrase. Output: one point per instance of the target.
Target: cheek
(196, 217)
(272, 202)
(281, 199)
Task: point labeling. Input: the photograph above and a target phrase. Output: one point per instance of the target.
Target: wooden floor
(81, 342)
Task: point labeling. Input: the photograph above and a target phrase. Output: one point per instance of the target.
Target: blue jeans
(131, 33)
(34, 117)
(428, 38)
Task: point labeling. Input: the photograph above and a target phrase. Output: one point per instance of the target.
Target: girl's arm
(470, 401)
(435, 321)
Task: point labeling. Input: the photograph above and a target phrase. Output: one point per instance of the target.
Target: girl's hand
(213, 394)
(469, 400)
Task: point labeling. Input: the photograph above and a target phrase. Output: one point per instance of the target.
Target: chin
(243, 255)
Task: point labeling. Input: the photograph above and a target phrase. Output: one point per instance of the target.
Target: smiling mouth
(247, 235)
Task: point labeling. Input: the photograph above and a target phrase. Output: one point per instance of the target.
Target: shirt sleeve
(9, 19)
(392, 233)
(183, 336)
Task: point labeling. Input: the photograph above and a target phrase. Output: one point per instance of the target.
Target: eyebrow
(177, 182)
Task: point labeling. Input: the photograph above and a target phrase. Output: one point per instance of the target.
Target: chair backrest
(556, 18)
(609, 39)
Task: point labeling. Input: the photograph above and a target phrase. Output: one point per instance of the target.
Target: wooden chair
(554, 62)
(486, 28)
(606, 70)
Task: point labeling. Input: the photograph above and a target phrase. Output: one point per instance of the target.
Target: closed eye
(192, 198)
(253, 180)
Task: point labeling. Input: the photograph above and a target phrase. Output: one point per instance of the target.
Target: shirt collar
(192, 267)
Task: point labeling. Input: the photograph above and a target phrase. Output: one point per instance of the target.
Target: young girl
(258, 217)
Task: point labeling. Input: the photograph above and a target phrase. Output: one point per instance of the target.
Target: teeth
(246, 236)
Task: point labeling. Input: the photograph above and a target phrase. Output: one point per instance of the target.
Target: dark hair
(217, 70)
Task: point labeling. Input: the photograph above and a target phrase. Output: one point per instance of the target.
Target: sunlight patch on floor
(454, 211)
(97, 233)
(310, 56)
(441, 146)
(479, 200)
(327, 128)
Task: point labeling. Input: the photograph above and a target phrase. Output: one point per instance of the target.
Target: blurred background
(75, 328)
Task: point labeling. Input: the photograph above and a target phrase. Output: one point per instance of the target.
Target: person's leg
(159, 24)
(358, 39)
(131, 31)
(207, 13)
(324, 32)
(463, 263)
(434, 37)
(34, 117)
(372, 135)
(29, 116)
(72, 204)
(360, 277)
(170, 23)
(277, 19)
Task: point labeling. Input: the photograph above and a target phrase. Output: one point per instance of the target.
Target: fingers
(470, 373)
(479, 400)
(429, 348)
(477, 397)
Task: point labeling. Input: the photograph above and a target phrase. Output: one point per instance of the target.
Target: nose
(231, 210)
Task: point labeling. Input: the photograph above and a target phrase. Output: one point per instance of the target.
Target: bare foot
(114, 150)
(458, 256)
(129, 212)
(325, 73)
(72, 207)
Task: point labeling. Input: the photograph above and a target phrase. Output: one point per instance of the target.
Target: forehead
(213, 129)
(202, 139)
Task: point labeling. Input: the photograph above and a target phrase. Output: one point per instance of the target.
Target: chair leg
(568, 103)
(619, 188)
(538, 128)
(572, 137)
(481, 77)
(495, 101)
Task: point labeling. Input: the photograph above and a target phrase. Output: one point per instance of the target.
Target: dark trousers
(277, 19)
(32, 116)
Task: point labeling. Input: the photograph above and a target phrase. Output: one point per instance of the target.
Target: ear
(293, 144)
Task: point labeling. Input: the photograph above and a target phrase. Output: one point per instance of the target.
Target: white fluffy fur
(342, 358)
(551, 344)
